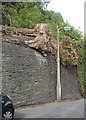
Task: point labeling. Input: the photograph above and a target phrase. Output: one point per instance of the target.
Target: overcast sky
(71, 10)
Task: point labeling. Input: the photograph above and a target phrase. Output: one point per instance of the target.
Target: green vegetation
(28, 14)
(79, 46)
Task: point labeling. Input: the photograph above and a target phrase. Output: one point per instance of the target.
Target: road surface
(65, 109)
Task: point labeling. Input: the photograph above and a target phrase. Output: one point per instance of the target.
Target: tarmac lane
(64, 109)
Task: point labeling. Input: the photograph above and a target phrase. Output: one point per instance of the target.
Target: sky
(71, 11)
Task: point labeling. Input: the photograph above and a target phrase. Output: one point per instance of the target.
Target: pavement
(64, 109)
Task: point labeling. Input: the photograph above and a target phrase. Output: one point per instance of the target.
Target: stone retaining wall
(30, 78)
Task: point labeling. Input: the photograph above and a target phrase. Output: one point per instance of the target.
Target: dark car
(7, 107)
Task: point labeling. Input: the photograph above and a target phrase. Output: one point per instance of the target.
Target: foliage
(80, 48)
(29, 14)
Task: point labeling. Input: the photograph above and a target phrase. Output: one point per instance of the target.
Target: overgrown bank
(80, 49)
(27, 15)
